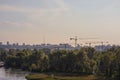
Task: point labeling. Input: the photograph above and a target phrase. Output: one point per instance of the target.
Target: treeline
(83, 61)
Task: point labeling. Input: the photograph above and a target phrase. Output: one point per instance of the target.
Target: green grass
(51, 77)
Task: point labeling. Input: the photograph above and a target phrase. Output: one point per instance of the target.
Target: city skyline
(56, 21)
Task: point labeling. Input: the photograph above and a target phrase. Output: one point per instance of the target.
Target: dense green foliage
(83, 61)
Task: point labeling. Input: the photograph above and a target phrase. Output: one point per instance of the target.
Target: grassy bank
(61, 77)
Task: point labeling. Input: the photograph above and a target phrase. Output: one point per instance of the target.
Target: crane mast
(75, 39)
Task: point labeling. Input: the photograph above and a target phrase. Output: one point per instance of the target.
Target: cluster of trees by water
(83, 61)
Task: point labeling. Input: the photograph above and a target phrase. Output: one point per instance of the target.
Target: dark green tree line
(83, 61)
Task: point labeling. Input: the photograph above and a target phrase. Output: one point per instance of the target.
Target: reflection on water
(10, 74)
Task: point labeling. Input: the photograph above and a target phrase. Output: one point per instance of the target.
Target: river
(10, 74)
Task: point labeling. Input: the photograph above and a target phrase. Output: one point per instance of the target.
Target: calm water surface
(10, 74)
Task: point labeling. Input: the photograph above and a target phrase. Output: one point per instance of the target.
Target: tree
(83, 63)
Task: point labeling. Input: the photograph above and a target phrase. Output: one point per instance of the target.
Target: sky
(55, 21)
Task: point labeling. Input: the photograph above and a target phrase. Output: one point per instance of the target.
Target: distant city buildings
(61, 46)
(0, 43)
(8, 43)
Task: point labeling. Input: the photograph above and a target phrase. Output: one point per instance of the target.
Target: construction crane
(101, 42)
(76, 39)
(90, 43)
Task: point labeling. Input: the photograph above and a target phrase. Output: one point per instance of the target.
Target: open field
(55, 77)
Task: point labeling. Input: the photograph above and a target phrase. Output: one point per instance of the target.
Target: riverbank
(12, 74)
(58, 76)
(1, 63)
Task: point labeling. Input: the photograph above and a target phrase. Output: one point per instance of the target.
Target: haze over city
(55, 21)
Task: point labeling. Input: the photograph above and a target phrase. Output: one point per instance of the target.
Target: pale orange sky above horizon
(55, 21)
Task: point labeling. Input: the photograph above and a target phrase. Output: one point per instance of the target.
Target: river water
(10, 74)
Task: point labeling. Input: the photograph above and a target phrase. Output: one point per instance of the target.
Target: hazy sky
(32, 21)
